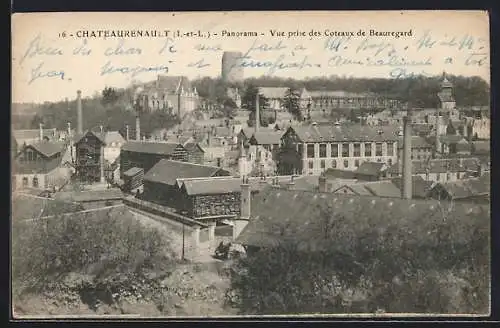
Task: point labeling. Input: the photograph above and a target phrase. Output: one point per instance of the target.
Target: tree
(109, 96)
(250, 96)
(291, 103)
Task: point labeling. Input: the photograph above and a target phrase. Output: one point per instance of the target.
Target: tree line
(113, 107)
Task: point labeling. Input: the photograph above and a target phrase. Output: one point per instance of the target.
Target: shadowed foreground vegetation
(432, 267)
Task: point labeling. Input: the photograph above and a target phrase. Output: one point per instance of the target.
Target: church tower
(448, 105)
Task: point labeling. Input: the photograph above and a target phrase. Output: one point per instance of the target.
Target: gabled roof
(267, 137)
(273, 92)
(347, 133)
(21, 135)
(147, 147)
(133, 171)
(332, 173)
(376, 188)
(113, 136)
(466, 188)
(300, 216)
(168, 171)
(370, 168)
(192, 146)
(47, 148)
(101, 136)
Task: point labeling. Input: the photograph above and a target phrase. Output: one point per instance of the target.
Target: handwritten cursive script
(37, 48)
(109, 68)
(38, 73)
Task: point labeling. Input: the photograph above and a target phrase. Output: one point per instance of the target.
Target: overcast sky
(49, 67)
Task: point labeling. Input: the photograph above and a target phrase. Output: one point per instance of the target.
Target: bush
(100, 243)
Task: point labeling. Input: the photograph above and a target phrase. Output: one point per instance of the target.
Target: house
(480, 148)
(133, 179)
(371, 171)
(444, 169)
(278, 216)
(173, 94)
(145, 155)
(454, 144)
(314, 148)
(481, 128)
(90, 161)
(39, 165)
(113, 144)
(420, 148)
(370, 188)
(195, 154)
(160, 182)
(274, 95)
(476, 190)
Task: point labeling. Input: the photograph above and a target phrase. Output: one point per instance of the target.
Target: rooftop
(147, 147)
(299, 216)
(370, 168)
(90, 195)
(267, 137)
(341, 133)
(417, 142)
(168, 171)
(440, 165)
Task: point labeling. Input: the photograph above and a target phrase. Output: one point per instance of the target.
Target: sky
(52, 57)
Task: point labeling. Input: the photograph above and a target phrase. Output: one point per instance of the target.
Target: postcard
(250, 164)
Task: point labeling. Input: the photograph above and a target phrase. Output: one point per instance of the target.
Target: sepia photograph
(250, 164)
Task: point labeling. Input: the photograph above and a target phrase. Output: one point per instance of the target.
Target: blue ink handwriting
(120, 50)
(199, 64)
(36, 48)
(37, 73)
(203, 47)
(168, 47)
(108, 68)
(82, 49)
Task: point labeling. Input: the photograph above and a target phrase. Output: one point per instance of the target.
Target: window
(345, 150)
(368, 149)
(346, 163)
(357, 150)
(378, 149)
(437, 176)
(322, 150)
(25, 182)
(389, 162)
(311, 165)
(356, 163)
(390, 149)
(448, 176)
(322, 163)
(335, 150)
(310, 151)
(334, 164)
(35, 182)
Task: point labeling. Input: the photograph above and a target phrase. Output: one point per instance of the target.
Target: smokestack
(322, 183)
(127, 134)
(79, 111)
(245, 198)
(137, 127)
(41, 132)
(407, 169)
(69, 129)
(257, 112)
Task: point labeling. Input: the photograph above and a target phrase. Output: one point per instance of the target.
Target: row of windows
(336, 164)
(34, 182)
(344, 150)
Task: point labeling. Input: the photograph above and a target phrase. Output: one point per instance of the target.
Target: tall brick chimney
(257, 112)
(127, 135)
(406, 191)
(79, 111)
(137, 127)
(40, 132)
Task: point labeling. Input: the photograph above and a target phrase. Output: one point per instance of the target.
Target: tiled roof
(169, 84)
(90, 195)
(370, 168)
(348, 133)
(211, 186)
(299, 216)
(273, 92)
(113, 136)
(167, 171)
(420, 187)
(26, 207)
(416, 143)
(47, 148)
(441, 165)
(159, 148)
(332, 173)
(267, 137)
(383, 189)
(132, 171)
(180, 139)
